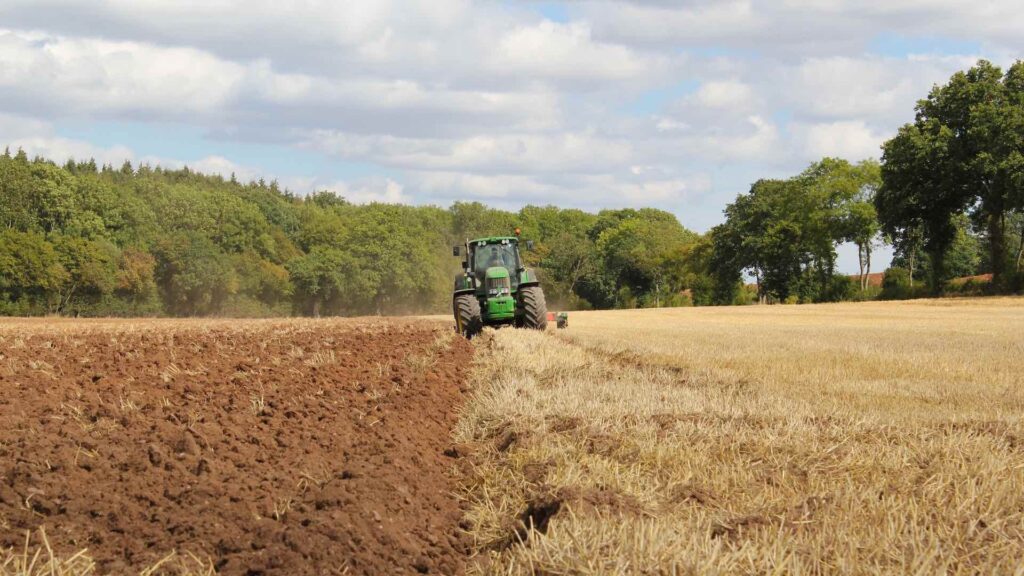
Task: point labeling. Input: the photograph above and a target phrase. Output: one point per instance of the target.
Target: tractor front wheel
(533, 308)
(467, 315)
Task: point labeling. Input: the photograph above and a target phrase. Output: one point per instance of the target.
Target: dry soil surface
(266, 447)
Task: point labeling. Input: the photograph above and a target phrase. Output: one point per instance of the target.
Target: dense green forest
(95, 240)
(82, 239)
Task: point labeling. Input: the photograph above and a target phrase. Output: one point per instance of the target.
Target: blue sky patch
(554, 11)
(655, 101)
(899, 46)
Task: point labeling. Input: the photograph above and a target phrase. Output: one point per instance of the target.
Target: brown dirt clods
(264, 447)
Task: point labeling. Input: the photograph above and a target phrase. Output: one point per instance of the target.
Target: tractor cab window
(491, 255)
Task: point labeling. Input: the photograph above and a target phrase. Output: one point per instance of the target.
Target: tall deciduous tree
(780, 233)
(846, 194)
(963, 152)
(640, 250)
(918, 195)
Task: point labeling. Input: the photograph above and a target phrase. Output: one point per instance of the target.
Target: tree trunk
(910, 262)
(761, 298)
(997, 244)
(827, 273)
(938, 271)
(860, 261)
(576, 273)
(867, 262)
(63, 302)
(1020, 250)
(316, 307)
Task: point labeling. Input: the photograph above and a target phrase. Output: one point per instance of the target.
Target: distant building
(874, 279)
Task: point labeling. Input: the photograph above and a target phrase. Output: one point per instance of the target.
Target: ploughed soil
(260, 447)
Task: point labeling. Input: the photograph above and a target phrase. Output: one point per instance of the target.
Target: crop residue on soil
(281, 447)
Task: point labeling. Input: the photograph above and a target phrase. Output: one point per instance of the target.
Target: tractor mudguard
(528, 278)
(463, 285)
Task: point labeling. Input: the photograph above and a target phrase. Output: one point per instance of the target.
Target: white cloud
(627, 102)
(1000, 19)
(38, 138)
(13, 127)
(60, 149)
(88, 75)
(728, 94)
(559, 152)
(592, 191)
(662, 192)
(852, 140)
(385, 191)
(761, 143)
(229, 26)
(663, 124)
(441, 41)
(567, 51)
(669, 22)
(799, 27)
(224, 167)
(867, 87)
(444, 184)
(714, 140)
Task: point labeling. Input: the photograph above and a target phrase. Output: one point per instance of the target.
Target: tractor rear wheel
(533, 308)
(467, 315)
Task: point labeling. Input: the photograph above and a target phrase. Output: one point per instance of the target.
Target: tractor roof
(494, 239)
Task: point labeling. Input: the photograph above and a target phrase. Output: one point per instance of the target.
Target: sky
(678, 105)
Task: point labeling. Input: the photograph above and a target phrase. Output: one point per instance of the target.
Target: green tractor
(495, 288)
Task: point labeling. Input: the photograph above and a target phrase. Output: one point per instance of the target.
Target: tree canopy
(784, 232)
(88, 239)
(964, 153)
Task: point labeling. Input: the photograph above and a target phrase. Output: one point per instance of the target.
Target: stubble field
(852, 438)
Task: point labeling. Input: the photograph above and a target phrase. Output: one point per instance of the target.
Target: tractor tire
(468, 321)
(534, 310)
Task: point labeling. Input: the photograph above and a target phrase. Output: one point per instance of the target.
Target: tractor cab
(490, 253)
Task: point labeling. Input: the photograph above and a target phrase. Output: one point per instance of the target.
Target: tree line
(948, 196)
(84, 239)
